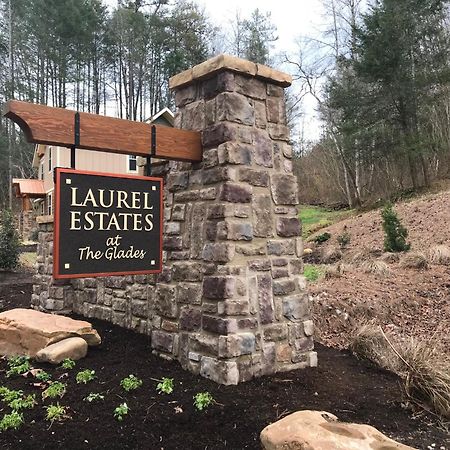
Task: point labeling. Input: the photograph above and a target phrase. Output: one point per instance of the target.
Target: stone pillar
(231, 303)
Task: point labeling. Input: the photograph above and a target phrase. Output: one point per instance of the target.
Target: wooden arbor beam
(56, 126)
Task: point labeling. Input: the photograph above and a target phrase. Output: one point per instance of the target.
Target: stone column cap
(224, 62)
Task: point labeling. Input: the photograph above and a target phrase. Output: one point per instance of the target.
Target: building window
(41, 170)
(132, 163)
(49, 159)
(49, 204)
(42, 208)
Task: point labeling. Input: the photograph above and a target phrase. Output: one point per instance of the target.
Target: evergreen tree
(9, 241)
(395, 233)
(404, 53)
(259, 34)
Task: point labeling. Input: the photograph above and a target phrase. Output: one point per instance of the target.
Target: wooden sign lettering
(106, 224)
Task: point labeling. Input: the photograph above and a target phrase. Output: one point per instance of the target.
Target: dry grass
(337, 270)
(414, 260)
(427, 377)
(369, 343)
(376, 267)
(361, 257)
(439, 254)
(331, 255)
(424, 369)
(390, 257)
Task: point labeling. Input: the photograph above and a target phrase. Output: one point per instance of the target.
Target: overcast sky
(292, 18)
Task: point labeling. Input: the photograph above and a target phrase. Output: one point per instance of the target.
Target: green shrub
(94, 397)
(18, 365)
(9, 241)
(11, 421)
(165, 385)
(56, 413)
(85, 376)
(121, 411)
(395, 233)
(311, 272)
(68, 364)
(131, 383)
(56, 389)
(344, 238)
(322, 238)
(202, 400)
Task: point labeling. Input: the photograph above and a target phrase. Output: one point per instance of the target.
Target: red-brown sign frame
(56, 230)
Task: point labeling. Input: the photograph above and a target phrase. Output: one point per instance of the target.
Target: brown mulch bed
(351, 389)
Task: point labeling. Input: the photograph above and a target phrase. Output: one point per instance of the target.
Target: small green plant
(43, 376)
(165, 386)
(55, 413)
(94, 397)
(56, 389)
(27, 402)
(311, 272)
(130, 383)
(121, 411)
(11, 421)
(344, 238)
(18, 365)
(85, 376)
(8, 395)
(395, 233)
(68, 364)
(9, 241)
(321, 238)
(202, 400)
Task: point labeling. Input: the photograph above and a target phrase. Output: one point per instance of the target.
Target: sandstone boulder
(319, 430)
(26, 331)
(74, 348)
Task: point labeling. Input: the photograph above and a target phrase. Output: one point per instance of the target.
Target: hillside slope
(412, 301)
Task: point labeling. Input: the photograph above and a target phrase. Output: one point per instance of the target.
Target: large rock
(74, 348)
(26, 331)
(319, 430)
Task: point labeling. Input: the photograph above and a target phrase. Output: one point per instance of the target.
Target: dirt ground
(427, 220)
(351, 389)
(414, 302)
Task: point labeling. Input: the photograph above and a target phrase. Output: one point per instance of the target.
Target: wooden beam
(55, 126)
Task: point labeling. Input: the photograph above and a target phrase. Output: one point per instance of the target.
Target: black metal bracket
(76, 139)
(148, 170)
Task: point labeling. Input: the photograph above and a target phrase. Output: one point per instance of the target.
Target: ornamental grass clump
(425, 370)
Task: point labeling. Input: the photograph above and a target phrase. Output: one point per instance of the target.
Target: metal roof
(29, 187)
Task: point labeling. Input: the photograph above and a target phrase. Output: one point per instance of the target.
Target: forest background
(379, 75)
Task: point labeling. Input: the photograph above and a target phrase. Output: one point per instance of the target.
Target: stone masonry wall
(231, 302)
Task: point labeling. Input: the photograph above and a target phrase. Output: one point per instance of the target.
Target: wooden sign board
(106, 224)
(56, 126)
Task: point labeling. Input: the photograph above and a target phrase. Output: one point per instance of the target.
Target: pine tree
(395, 233)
